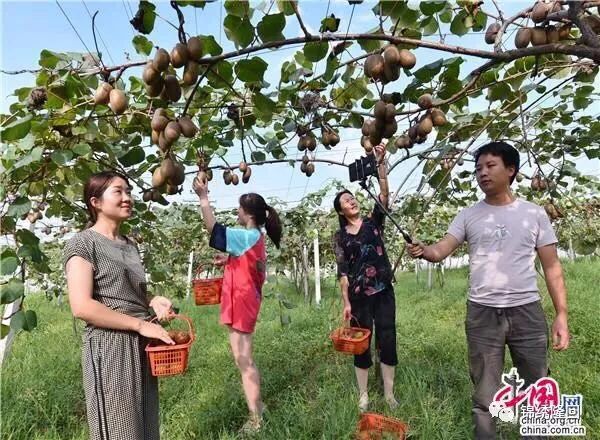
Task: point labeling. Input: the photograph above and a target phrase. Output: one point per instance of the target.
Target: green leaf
(24, 320)
(194, 3)
(330, 24)
(432, 7)
(446, 16)
(439, 179)
(263, 107)
(210, 45)
(498, 92)
(239, 30)
(49, 59)
(224, 70)
(251, 70)
(142, 45)
(25, 236)
(427, 72)
(480, 21)
(158, 276)
(11, 291)
(82, 149)
(19, 207)
(61, 157)
(31, 252)
(8, 261)
(238, 8)
(133, 156)
(286, 6)
(257, 156)
(5, 329)
(16, 130)
(315, 50)
(270, 27)
(370, 45)
(458, 26)
(429, 26)
(143, 21)
(580, 102)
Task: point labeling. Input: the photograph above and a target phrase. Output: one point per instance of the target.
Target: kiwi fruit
(538, 36)
(491, 32)
(334, 138)
(438, 117)
(227, 177)
(179, 55)
(379, 110)
(391, 55)
(155, 89)
(539, 11)
(172, 131)
(156, 197)
(167, 169)
(102, 95)
(246, 175)
(311, 142)
(303, 143)
(243, 167)
(564, 32)
(163, 143)
(519, 177)
(117, 101)
(523, 38)
(179, 176)
(374, 65)
(391, 72)
(403, 141)
(235, 179)
(190, 73)
(158, 179)
(147, 196)
(172, 88)
(460, 162)
(154, 136)
(150, 75)
(367, 127)
(310, 169)
(407, 59)
(425, 126)
(161, 60)
(376, 138)
(420, 139)
(365, 142)
(305, 159)
(171, 189)
(303, 166)
(390, 112)
(390, 129)
(194, 46)
(159, 120)
(412, 132)
(552, 35)
(188, 128)
(425, 101)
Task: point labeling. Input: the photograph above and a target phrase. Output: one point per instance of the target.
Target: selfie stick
(363, 183)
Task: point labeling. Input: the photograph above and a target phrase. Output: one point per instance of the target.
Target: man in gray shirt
(504, 235)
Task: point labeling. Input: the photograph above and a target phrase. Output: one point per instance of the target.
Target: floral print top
(362, 257)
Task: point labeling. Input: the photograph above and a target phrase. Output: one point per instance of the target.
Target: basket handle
(183, 318)
(349, 321)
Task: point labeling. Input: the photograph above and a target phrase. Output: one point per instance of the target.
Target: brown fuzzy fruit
(179, 55)
(172, 88)
(246, 175)
(303, 166)
(407, 59)
(179, 176)
(310, 169)
(367, 127)
(564, 32)
(540, 11)
(171, 189)
(190, 73)
(391, 72)
(425, 126)
(334, 139)
(379, 110)
(425, 101)
(390, 129)
(154, 136)
(552, 35)
(117, 101)
(390, 112)
(376, 138)
(163, 143)
(305, 159)
(172, 131)
(523, 38)
(538, 36)
(365, 142)
(161, 60)
(167, 169)
(147, 196)
(374, 65)
(403, 141)
(243, 167)
(188, 128)
(158, 179)
(154, 90)
(235, 179)
(491, 32)
(227, 177)
(194, 46)
(391, 55)
(102, 95)
(150, 75)
(438, 117)
(310, 142)
(159, 120)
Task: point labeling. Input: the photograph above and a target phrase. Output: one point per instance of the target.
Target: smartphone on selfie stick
(361, 170)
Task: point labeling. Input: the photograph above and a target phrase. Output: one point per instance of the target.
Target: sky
(29, 27)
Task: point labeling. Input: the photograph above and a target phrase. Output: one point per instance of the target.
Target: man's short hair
(508, 154)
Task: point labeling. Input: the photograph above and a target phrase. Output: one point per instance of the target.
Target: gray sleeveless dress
(121, 395)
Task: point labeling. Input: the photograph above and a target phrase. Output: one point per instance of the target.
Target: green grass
(309, 389)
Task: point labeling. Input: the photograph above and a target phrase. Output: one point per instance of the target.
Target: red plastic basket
(344, 342)
(170, 360)
(207, 291)
(373, 426)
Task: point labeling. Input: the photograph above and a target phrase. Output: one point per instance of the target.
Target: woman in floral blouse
(365, 276)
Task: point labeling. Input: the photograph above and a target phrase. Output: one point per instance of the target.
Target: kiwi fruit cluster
(385, 67)
(384, 125)
(329, 137)
(166, 178)
(158, 78)
(307, 141)
(115, 98)
(541, 34)
(230, 178)
(246, 171)
(307, 167)
(417, 133)
(166, 131)
(539, 183)
(552, 210)
(33, 216)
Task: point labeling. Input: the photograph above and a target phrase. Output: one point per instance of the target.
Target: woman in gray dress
(107, 289)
